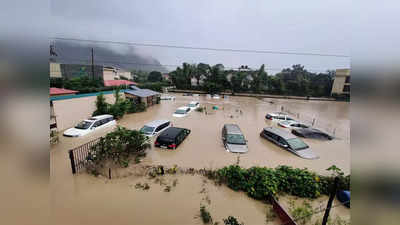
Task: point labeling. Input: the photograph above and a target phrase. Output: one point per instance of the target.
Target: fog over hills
(125, 57)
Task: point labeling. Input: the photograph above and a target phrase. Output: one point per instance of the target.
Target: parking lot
(204, 148)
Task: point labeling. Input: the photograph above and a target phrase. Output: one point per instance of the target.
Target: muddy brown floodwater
(84, 199)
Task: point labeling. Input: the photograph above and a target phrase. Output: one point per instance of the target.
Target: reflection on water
(91, 201)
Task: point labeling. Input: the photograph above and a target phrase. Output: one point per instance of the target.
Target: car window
(236, 139)
(97, 123)
(147, 130)
(83, 125)
(188, 109)
(282, 141)
(180, 111)
(297, 144)
(159, 127)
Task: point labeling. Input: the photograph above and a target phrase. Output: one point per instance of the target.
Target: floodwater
(84, 199)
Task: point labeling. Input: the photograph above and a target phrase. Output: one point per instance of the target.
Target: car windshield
(286, 122)
(83, 125)
(237, 139)
(147, 130)
(180, 111)
(192, 105)
(297, 144)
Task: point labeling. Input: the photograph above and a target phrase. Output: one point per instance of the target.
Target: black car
(311, 133)
(187, 94)
(171, 137)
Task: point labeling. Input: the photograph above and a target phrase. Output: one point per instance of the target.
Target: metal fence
(79, 154)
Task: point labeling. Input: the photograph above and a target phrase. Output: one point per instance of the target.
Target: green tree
(102, 107)
(155, 76)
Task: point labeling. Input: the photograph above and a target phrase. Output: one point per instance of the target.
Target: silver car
(288, 141)
(233, 139)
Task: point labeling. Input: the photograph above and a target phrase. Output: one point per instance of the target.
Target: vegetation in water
(270, 214)
(262, 182)
(232, 221)
(118, 147)
(205, 215)
(301, 214)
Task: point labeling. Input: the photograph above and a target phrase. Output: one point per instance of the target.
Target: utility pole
(331, 197)
(92, 65)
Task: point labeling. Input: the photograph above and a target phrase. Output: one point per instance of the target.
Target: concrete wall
(340, 80)
(55, 70)
(108, 74)
(69, 112)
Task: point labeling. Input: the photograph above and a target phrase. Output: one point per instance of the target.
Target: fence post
(71, 157)
(331, 197)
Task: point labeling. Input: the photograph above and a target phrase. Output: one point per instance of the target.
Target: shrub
(102, 107)
(262, 182)
(232, 221)
(118, 146)
(302, 214)
(205, 215)
(135, 107)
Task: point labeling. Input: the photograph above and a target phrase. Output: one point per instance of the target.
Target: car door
(96, 125)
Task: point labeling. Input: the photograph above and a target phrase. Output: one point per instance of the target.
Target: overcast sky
(295, 26)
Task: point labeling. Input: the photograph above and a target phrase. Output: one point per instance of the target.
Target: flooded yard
(100, 201)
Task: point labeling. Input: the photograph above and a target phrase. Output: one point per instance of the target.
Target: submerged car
(216, 96)
(233, 139)
(288, 141)
(167, 97)
(292, 124)
(311, 133)
(171, 138)
(278, 116)
(90, 125)
(155, 127)
(193, 105)
(187, 94)
(182, 111)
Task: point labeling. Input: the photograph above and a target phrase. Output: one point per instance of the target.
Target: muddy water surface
(84, 199)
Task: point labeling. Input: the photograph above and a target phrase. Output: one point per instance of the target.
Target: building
(122, 73)
(57, 92)
(78, 70)
(193, 80)
(109, 73)
(146, 96)
(55, 70)
(165, 76)
(61, 91)
(109, 83)
(341, 84)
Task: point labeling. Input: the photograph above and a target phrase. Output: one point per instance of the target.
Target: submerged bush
(205, 215)
(262, 182)
(232, 221)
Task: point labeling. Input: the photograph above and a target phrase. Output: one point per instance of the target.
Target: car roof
(278, 113)
(193, 102)
(233, 129)
(282, 133)
(100, 117)
(156, 123)
(183, 107)
(171, 132)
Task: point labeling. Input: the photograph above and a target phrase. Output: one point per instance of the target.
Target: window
(281, 141)
(97, 123)
(347, 79)
(346, 88)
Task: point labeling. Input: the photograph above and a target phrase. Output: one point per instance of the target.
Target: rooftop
(142, 92)
(61, 91)
(109, 83)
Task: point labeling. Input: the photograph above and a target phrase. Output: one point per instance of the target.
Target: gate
(79, 154)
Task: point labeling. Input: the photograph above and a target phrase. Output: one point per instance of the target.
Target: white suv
(193, 105)
(155, 127)
(90, 125)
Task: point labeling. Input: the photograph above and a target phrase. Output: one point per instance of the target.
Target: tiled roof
(109, 83)
(61, 91)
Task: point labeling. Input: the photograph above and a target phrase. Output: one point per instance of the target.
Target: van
(288, 141)
(90, 125)
(278, 116)
(155, 127)
(233, 139)
(171, 138)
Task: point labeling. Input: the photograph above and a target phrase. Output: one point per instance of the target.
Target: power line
(204, 48)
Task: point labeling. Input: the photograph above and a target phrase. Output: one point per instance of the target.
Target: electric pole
(92, 65)
(331, 198)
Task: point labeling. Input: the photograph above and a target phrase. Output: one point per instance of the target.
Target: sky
(321, 27)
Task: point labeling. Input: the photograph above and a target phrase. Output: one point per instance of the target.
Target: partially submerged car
(182, 111)
(167, 97)
(155, 127)
(292, 124)
(311, 133)
(233, 139)
(215, 96)
(187, 94)
(278, 116)
(90, 125)
(288, 141)
(171, 138)
(193, 105)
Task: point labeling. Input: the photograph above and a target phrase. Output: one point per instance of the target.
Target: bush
(135, 107)
(118, 146)
(205, 215)
(232, 221)
(262, 182)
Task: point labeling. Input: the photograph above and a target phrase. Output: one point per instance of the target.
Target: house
(61, 91)
(109, 73)
(55, 70)
(123, 73)
(109, 83)
(341, 84)
(146, 96)
(165, 76)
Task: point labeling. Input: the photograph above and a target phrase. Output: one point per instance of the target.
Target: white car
(193, 105)
(182, 111)
(196, 95)
(292, 124)
(167, 97)
(155, 127)
(216, 97)
(278, 116)
(90, 125)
